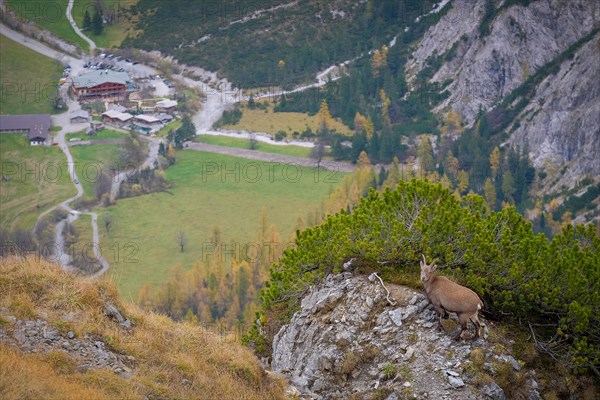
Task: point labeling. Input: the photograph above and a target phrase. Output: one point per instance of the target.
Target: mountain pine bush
(549, 287)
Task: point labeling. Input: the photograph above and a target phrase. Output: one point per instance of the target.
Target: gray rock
(71, 334)
(489, 367)
(112, 311)
(494, 391)
(534, 384)
(455, 382)
(515, 364)
(396, 316)
(392, 396)
(534, 395)
(410, 312)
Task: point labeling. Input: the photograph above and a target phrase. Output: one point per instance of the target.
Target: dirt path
(270, 157)
(63, 121)
(76, 28)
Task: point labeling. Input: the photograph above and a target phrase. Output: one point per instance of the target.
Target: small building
(101, 85)
(148, 123)
(165, 118)
(118, 119)
(96, 125)
(166, 106)
(79, 117)
(36, 126)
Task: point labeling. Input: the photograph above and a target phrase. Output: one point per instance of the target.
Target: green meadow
(92, 160)
(38, 180)
(103, 134)
(28, 80)
(209, 190)
(50, 15)
(291, 150)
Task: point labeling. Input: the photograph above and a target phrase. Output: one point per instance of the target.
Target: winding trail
(69, 14)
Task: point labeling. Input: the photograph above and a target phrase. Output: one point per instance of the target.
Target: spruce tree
(97, 23)
(87, 21)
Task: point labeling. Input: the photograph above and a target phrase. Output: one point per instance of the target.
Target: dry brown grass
(30, 377)
(172, 360)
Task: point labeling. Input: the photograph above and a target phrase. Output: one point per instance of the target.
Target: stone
(455, 382)
(396, 316)
(534, 384)
(493, 391)
(515, 364)
(488, 367)
(534, 395)
(409, 353)
(392, 396)
(112, 311)
(409, 312)
(71, 334)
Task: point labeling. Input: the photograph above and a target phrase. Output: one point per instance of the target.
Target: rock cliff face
(561, 124)
(348, 340)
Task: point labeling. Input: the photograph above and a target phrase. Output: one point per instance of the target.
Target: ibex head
(427, 270)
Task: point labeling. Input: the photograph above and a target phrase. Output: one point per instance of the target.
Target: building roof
(37, 125)
(147, 118)
(164, 117)
(118, 115)
(79, 114)
(117, 107)
(167, 103)
(100, 77)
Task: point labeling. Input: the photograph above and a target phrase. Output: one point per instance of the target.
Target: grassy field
(271, 122)
(93, 159)
(39, 179)
(49, 15)
(173, 125)
(100, 135)
(297, 151)
(195, 205)
(27, 80)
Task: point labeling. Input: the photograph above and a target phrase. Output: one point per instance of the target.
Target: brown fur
(449, 296)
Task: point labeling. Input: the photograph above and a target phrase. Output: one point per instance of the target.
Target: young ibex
(446, 295)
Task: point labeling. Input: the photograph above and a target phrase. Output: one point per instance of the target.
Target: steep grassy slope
(164, 359)
(38, 180)
(28, 82)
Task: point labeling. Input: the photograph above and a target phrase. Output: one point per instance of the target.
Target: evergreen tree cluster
(282, 47)
(185, 132)
(552, 287)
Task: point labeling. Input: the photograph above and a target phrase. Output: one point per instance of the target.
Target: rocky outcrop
(348, 339)
(85, 353)
(561, 125)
